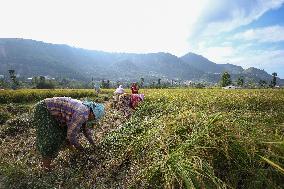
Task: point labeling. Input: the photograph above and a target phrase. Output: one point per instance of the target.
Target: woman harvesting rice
(134, 88)
(59, 118)
(127, 103)
(119, 91)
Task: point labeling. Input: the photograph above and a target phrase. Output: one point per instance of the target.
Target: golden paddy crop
(177, 138)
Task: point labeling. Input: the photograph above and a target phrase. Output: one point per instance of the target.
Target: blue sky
(249, 33)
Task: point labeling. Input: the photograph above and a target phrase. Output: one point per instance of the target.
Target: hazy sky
(242, 32)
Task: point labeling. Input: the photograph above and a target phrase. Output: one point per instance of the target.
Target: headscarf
(119, 90)
(97, 109)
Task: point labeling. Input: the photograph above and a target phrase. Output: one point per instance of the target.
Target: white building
(230, 87)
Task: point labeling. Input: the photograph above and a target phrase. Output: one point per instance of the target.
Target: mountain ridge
(30, 57)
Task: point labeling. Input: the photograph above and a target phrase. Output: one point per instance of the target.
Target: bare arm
(73, 130)
(88, 134)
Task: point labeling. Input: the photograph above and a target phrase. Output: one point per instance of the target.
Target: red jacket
(134, 89)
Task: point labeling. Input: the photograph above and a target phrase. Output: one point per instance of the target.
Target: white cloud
(266, 34)
(110, 25)
(269, 60)
(126, 25)
(144, 25)
(244, 55)
(211, 36)
(224, 16)
(217, 53)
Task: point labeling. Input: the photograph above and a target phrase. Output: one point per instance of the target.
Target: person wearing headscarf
(134, 88)
(97, 88)
(59, 120)
(119, 90)
(127, 103)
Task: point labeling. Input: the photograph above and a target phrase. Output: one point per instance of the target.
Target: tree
(273, 82)
(225, 79)
(117, 83)
(103, 84)
(34, 80)
(11, 72)
(141, 81)
(41, 79)
(43, 84)
(64, 82)
(262, 83)
(159, 81)
(3, 84)
(106, 84)
(13, 78)
(153, 84)
(240, 81)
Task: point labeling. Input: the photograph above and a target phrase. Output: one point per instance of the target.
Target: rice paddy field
(177, 138)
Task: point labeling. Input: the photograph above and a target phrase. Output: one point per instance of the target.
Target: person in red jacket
(128, 103)
(134, 88)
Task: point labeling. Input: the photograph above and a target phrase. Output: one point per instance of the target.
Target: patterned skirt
(128, 102)
(136, 99)
(50, 135)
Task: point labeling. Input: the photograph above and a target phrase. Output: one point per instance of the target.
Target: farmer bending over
(119, 91)
(60, 118)
(127, 103)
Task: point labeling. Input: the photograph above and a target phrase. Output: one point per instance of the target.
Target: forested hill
(32, 58)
